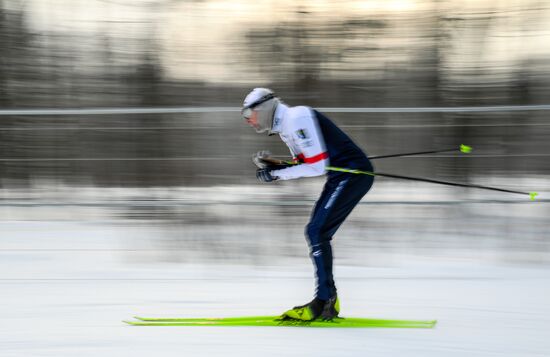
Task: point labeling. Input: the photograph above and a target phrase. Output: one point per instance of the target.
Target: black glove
(264, 175)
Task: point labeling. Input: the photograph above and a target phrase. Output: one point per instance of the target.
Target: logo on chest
(302, 134)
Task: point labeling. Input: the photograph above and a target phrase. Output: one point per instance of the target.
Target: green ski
(349, 322)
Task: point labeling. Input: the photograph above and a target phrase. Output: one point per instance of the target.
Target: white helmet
(264, 101)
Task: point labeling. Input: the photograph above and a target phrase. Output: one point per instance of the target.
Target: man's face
(251, 117)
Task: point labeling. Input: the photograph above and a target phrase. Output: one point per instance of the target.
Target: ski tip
(129, 322)
(465, 148)
(139, 318)
(532, 195)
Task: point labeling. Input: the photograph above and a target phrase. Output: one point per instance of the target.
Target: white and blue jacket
(315, 142)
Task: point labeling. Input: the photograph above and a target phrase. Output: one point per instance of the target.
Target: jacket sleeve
(306, 137)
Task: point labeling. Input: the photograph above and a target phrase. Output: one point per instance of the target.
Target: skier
(314, 142)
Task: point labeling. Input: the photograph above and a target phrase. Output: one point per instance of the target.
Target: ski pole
(463, 148)
(532, 195)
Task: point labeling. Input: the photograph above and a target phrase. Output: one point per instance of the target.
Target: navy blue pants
(342, 192)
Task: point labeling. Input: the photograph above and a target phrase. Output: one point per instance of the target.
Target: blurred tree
(16, 45)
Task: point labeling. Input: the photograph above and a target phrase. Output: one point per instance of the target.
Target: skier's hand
(258, 159)
(264, 175)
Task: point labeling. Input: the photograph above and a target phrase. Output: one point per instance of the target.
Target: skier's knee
(312, 233)
(315, 234)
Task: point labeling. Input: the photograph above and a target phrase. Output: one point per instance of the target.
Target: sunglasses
(246, 113)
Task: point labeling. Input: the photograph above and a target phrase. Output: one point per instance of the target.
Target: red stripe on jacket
(313, 159)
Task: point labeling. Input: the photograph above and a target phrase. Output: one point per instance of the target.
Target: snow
(71, 302)
(74, 265)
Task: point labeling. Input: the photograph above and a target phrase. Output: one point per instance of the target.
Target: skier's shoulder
(299, 116)
(299, 111)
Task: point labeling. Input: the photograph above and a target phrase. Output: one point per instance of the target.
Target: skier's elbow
(319, 168)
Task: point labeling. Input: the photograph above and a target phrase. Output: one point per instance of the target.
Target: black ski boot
(326, 309)
(331, 309)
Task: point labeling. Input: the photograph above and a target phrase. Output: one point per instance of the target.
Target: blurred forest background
(146, 53)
